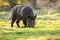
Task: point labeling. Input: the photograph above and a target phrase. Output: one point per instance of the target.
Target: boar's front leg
(25, 23)
(17, 22)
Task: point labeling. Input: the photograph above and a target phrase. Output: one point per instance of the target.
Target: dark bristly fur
(24, 13)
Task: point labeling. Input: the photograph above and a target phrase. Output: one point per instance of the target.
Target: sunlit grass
(30, 34)
(39, 24)
(46, 28)
(2, 13)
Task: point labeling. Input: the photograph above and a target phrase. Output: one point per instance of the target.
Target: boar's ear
(33, 17)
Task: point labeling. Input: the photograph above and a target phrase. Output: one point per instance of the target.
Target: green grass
(46, 28)
(26, 33)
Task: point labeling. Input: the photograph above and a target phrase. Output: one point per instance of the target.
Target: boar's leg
(12, 21)
(17, 22)
(25, 23)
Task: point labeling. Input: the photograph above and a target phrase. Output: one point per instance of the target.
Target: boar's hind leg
(17, 22)
(12, 21)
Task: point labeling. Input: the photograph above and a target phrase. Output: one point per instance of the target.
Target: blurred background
(7, 4)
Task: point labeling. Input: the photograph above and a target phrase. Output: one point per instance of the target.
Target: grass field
(46, 28)
(29, 34)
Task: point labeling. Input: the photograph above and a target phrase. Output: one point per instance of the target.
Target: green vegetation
(29, 33)
(47, 28)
